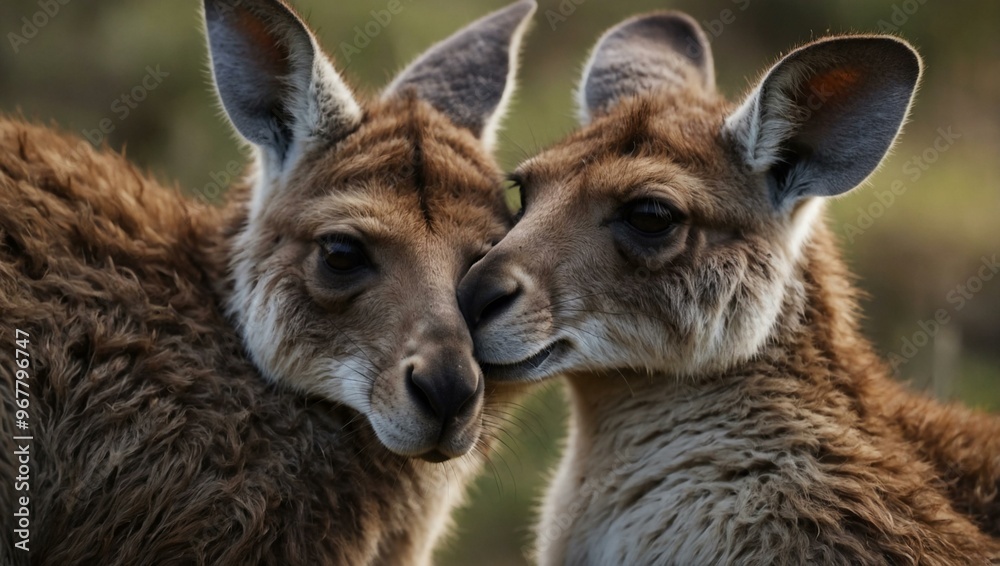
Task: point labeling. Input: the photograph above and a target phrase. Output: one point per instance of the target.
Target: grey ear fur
(823, 117)
(470, 76)
(277, 87)
(644, 54)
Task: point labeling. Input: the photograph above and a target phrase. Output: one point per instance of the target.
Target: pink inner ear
(833, 83)
(272, 54)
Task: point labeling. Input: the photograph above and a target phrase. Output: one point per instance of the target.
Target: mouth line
(514, 370)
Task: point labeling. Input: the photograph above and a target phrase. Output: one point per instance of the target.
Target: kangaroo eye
(650, 217)
(342, 254)
(517, 184)
(522, 200)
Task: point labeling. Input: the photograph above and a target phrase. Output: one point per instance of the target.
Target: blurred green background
(912, 252)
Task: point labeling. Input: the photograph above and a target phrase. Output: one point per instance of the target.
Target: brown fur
(343, 258)
(799, 449)
(155, 439)
(962, 446)
(252, 385)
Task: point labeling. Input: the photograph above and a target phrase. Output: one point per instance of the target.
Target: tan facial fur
(576, 286)
(703, 300)
(362, 217)
(249, 384)
(424, 208)
(671, 261)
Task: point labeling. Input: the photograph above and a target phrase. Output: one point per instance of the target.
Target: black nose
(446, 393)
(484, 295)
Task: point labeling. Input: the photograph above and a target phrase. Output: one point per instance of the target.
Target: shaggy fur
(157, 323)
(155, 439)
(362, 217)
(726, 407)
(811, 454)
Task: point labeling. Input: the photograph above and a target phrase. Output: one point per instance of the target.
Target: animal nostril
(418, 390)
(444, 395)
(495, 305)
(470, 403)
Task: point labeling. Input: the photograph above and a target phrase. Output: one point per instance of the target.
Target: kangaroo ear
(278, 88)
(823, 118)
(470, 76)
(646, 53)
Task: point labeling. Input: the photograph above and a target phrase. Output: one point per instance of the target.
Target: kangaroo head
(664, 235)
(363, 216)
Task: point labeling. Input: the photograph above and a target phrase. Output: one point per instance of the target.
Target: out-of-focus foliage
(912, 252)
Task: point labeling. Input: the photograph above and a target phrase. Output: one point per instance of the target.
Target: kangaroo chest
(664, 480)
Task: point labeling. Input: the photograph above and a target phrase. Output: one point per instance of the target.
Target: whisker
(593, 311)
(520, 425)
(575, 298)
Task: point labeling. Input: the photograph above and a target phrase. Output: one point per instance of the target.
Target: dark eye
(517, 185)
(650, 217)
(342, 254)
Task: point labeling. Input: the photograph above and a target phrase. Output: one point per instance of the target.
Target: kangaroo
(285, 380)
(672, 262)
